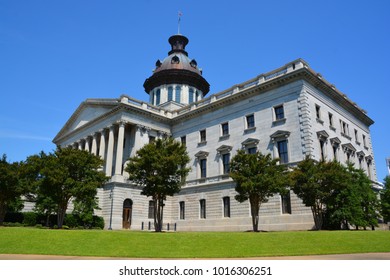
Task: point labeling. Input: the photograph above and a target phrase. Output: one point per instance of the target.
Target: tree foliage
(257, 178)
(160, 168)
(10, 187)
(385, 200)
(65, 175)
(338, 195)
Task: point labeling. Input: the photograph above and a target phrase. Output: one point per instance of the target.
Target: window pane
(203, 168)
(191, 95)
(286, 203)
(283, 153)
(170, 93)
(178, 94)
(250, 121)
(226, 207)
(202, 208)
(225, 129)
(252, 150)
(182, 210)
(202, 135)
(279, 112)
(158, 96)
(226, 162)
(151, 210)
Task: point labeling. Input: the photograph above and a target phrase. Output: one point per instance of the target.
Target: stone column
(94, 144)
(102, 147)
(86, 147)
(119, 149)
(110, 151)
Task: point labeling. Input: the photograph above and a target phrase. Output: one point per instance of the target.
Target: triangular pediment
(250, 141)
(322, 134)
(89, 110)
(349, 147)
(280, 134)
(224, 148)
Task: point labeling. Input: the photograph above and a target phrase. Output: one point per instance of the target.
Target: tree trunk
(255, 207)
(158, 214)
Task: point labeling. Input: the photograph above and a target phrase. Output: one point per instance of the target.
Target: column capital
(143, 129)
(121, 122)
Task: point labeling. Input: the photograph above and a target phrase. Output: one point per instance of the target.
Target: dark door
(127, 212)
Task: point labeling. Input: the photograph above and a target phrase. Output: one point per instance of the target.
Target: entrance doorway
(127, 212)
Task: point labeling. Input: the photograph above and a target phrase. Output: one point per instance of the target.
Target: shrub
(30, 219)
(65, 227)
(71, 220)
(98, 222)
(11, 217)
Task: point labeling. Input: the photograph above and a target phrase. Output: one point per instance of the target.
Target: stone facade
(290, 112)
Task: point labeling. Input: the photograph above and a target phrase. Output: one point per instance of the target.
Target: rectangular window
(364, 141)
(335, 152)
(226, 207)
(226, 163)
(203, 168)
(286, 203)
(225, 129)
(322, 148)
(331, 119)
(151, 210)
(202, 204)
(252, 150)
(183, 140)
(279, 112)
(250, 121)
(356, 136)
(182, 210)
(318, 112)
(344, 128)
(202, 135)
(283, 152)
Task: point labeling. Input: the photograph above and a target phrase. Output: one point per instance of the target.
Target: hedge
(34, 219)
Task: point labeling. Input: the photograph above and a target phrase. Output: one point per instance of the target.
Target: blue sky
(56, 54)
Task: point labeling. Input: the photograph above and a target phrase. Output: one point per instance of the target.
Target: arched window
(158, 97)
(170, 93)
(178, 94)
(191, 95)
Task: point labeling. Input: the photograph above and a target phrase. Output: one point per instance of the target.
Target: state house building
(290, 112)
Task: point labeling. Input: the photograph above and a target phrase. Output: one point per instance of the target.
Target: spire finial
(179, 15)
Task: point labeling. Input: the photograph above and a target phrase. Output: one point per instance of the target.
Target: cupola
(177, 78)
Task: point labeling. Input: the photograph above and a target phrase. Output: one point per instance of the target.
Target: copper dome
(177, 68)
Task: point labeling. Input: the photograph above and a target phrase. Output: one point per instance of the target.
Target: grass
(133, 244)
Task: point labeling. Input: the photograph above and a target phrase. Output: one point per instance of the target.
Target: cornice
(291, 72)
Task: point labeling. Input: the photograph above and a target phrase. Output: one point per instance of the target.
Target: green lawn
(189, 244)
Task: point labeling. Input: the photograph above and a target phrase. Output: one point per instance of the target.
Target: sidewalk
(366, 256)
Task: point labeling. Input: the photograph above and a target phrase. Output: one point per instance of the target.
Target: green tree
(367, 199)
(311, 184)
(160, 168)
(338, 195)
(10, 188)
(257, 178)
(65, 175)
(385, 200)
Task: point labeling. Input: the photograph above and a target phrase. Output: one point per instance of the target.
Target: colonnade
(115, 143)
